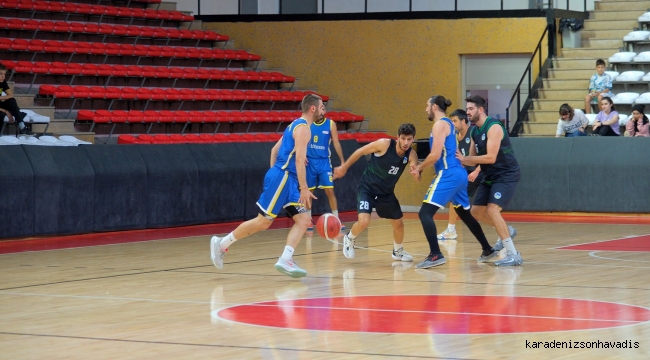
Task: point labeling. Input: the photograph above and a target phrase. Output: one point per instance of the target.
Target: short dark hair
(310, 100)
(478, 100)
(600, 62)
(460, 114)
(406, 129)
(2, 67)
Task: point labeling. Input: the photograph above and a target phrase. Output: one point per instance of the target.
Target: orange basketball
(328, 226)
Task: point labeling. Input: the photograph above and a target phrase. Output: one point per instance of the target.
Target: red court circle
(437, 314)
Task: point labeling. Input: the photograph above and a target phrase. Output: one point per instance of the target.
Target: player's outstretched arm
(335, 141)
(378, 146)
(413, 164)
(302, 135)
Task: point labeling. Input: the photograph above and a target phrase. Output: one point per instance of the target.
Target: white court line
(593, 254)
(102, 298)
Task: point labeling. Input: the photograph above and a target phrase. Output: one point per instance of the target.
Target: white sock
(227, 241)
(287, 254)
(336, 213)
(351, 236)
(509, 245)
(451, 227)
(397, 246)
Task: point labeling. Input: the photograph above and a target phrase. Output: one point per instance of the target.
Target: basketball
(328, 226)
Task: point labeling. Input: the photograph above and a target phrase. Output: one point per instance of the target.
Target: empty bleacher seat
(643, 99)
(612, 74)
(623, 119)
(644, 18)
(630, 76)
(640, 35)
(626, 98)
(642, 57)
(622, 57)
(591, 118)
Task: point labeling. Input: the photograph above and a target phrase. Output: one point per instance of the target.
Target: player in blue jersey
(449, 184)
(319, 164)
(491, 149)
(387, 162)
(285, 186)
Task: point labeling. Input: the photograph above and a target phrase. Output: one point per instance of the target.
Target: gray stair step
(554, 105)
(622, 5)
(612, 24)
(566, 84)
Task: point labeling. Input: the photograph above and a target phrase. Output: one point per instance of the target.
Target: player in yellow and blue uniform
(450, 184)
(285, 186)
(319, 162)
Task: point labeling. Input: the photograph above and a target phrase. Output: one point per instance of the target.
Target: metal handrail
(521, 115)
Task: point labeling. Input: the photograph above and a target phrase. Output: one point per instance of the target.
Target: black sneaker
(487, 255)
(431, 261)
(25, 131)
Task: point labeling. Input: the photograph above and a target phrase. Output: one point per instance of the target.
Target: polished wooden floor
(162, 299)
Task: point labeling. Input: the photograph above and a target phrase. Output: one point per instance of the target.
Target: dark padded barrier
(63, 190)
(120, 191)
(71, 190)
(610, 174)
(172, 185)
(544, 164)
(254, 159)
(345, 188)
(222, 182)
(16, 193)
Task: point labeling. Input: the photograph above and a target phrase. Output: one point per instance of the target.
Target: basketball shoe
(487, 255)
(402, 255)
(498, 246)
(511, 259)
(290, 268)
(431, 261)
(216, 253)
(348, 247)
(447, 235)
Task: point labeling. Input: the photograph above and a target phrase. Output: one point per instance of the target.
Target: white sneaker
(402, 255)
(290, 268)
(447, 235)
(216, 253)
(348, 247)
(511, 259)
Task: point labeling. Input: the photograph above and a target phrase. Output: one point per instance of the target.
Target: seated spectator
(600, 85)
(606, 123)
(8, 105)
(573, 122)
(638, 125)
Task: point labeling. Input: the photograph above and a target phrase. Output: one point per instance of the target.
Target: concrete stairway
(568, 80)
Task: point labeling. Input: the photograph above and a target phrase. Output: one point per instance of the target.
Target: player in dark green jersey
(387, 162)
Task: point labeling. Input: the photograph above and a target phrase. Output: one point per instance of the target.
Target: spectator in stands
(600, 86)
(8, 105)
(638, 125)
(573, 122)
(606, 123)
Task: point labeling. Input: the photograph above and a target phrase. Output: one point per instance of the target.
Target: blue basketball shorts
(449, 185)
(319, 173)
(281, 190)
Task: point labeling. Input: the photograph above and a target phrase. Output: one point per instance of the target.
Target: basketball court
(582, 292)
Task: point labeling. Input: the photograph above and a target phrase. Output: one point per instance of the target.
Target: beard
(430, 117)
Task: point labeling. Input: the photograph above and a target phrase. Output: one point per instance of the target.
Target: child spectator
(600, 85)
(573, 122)
(9, 106)
(606, 123)
(638, 125)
